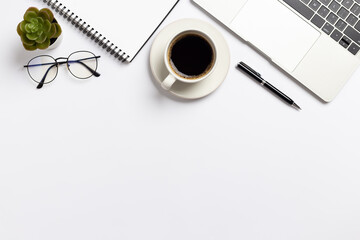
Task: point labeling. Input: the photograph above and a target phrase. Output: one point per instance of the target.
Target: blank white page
(126, 23)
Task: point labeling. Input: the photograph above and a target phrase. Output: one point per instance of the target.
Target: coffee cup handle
(168, 82)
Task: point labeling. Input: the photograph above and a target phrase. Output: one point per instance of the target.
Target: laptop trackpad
(276, 31)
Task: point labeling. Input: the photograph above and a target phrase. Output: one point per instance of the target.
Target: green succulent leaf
(41, 38)
(47, 26)
(46, 13)
(30, 48)
(52, 31)
(34, 21)
(33, 9)
(29, 28)
(22, 26)
(44, 45)
(18, 29)
(29, 15)
(41, 20)
(32, 36)
(58, 30)
(26, 41)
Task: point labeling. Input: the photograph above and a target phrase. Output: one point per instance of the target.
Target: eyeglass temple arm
(38, 65)
(95, 73)
(41, 83)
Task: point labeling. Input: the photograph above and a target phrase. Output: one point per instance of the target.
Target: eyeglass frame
(57, 63)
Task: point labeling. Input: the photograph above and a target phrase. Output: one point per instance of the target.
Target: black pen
(257, 76)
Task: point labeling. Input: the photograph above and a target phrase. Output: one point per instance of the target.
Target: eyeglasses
(44, 69)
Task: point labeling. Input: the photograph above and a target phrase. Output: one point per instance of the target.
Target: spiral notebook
(122, 27)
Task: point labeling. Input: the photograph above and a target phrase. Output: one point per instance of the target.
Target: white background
(116, 158)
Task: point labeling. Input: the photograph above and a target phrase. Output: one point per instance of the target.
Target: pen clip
(249, 69)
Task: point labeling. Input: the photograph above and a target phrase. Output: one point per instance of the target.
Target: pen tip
(296, 106)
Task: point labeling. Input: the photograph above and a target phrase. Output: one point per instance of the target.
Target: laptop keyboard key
(318, 21)
(332, 18)
(334, 6)
(355, 9)
(347, 3)
(354, 49)
(328, 28)
(300, 8)
(351, 20)
(336, 35)
(323, 11)
(345, 42)
(353, 34)
(314, 5)
(341, 25)
(343, 13)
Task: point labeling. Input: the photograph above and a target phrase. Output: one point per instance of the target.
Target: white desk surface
(115, 158)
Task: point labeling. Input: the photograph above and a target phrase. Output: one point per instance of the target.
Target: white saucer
(190, 90)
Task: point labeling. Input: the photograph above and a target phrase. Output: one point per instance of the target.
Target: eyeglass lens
(41, 65)
(82, 64)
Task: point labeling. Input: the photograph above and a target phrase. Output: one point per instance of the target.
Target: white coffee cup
(190, 57)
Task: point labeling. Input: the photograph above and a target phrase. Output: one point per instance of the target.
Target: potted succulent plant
(39, 29)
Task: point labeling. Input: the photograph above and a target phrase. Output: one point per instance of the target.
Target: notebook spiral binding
(86, 29)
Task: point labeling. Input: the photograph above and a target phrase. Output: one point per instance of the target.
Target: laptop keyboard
(337, 18)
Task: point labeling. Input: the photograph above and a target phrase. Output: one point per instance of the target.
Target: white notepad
(120, 26)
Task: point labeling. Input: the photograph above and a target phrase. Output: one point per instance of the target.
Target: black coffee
(191, 56)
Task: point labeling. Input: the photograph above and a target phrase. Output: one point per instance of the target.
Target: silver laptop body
(315, 41)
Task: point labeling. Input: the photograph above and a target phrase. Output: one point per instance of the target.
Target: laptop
(315, 41)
